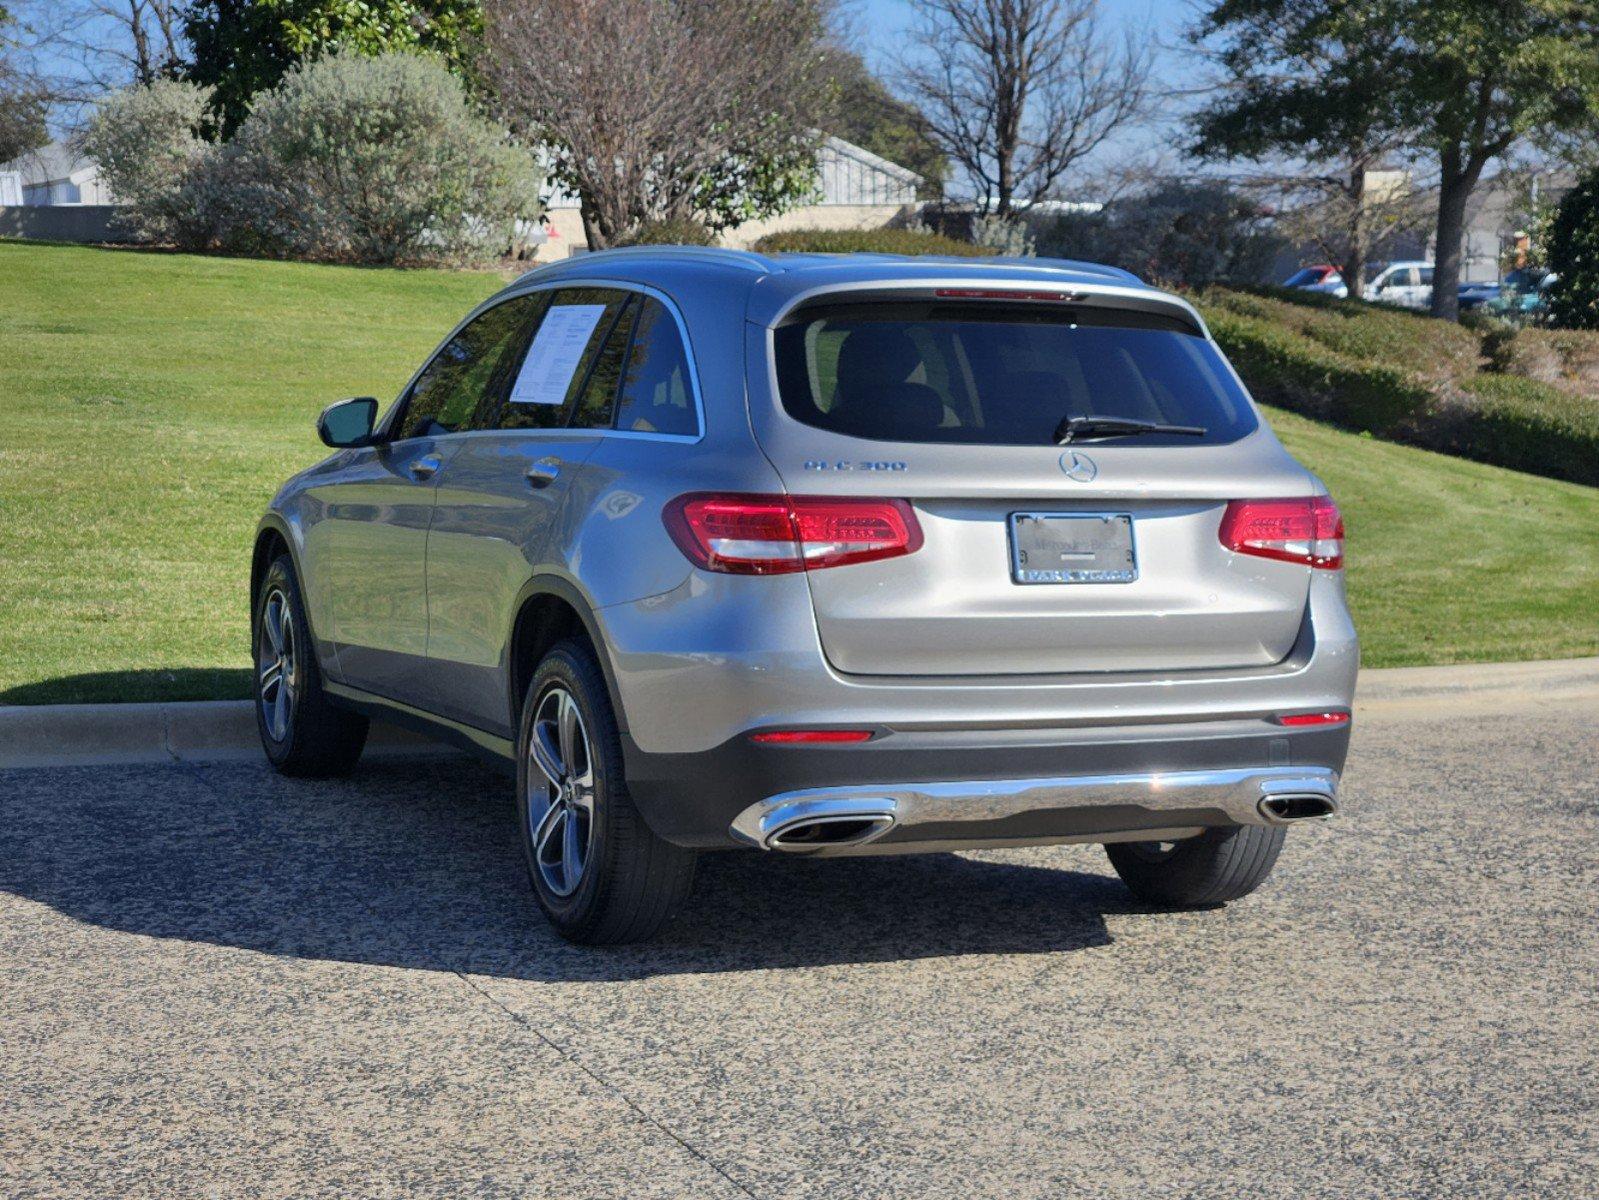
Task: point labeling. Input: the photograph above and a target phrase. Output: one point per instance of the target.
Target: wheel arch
(550, 609)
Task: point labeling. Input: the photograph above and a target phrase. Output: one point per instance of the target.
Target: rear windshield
(1001, 374)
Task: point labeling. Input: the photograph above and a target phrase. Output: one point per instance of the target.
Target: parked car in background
(1322, 278)
(1475, 295)
(1524, 294)
(1407, 284)
(823, 555)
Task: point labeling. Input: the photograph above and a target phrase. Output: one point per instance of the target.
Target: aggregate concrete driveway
(217, 983)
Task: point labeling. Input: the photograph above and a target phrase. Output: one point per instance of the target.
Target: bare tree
(81, 49)
(1349, 220)
(665, 110)
(1019, 92)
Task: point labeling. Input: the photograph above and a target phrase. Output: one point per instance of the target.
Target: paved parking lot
(218, 983)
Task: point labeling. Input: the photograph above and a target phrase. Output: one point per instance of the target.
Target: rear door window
(560, 352)
(1001, 374)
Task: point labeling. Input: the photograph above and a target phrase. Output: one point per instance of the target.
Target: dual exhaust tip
(1285, 808)
(820, 824)
(830, 833)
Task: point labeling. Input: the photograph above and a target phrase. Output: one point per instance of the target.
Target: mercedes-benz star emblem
(1078, 466)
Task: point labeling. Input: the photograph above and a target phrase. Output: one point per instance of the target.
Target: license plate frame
(1105, 549)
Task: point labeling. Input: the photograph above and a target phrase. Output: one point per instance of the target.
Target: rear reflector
(1315, 718)
(792, 736)
(1302, 529)
(741, 534)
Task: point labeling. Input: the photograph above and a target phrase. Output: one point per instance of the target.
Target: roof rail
(744, 259)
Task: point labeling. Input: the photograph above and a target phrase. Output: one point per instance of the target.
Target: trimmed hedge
(1526, 425)
(868, 241)
(1407, 378)
(1568, 357)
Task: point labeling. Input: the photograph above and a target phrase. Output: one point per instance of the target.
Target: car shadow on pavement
(415, 864)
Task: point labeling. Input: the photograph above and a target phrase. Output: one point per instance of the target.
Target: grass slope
(152, 403)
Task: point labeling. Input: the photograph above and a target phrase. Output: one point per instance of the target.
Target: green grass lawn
(151, 403)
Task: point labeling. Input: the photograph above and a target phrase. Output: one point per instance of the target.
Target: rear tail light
(741, 534)
(1305, 529)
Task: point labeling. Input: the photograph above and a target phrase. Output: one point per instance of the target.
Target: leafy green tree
(242, 47)
(1309, 81)
(867, 114)
(1574, 257)
(1482, 78)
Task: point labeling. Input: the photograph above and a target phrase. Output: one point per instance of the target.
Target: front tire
(601, 875)
(1217, 866)
(302, 732)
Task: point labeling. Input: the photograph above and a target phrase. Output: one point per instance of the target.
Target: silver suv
(823, 555)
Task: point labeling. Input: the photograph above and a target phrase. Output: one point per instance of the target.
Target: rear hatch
(1101, 554)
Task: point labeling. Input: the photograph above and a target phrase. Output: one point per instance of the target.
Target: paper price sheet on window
(557, 349)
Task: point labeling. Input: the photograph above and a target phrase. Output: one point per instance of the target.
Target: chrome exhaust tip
(1286, 808)
(814, 826)
(830, 833)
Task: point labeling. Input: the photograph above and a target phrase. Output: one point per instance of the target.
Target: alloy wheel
(560, 792)
(277, 666)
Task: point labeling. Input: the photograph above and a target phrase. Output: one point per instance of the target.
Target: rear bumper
(1007, 812)
(944, 789)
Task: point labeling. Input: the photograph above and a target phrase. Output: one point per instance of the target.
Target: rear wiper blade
(1094, 428)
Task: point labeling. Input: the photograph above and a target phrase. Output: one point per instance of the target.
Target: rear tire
(302, 731)
(600, 874)
(1217, 866)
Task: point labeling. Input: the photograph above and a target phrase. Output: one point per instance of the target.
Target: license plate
(1072, 548)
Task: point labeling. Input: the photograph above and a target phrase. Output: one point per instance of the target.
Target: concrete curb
(62, 735)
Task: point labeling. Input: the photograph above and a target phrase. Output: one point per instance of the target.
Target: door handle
(544, 472)
(425, 467)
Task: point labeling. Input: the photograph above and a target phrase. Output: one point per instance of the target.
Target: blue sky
(882, 20)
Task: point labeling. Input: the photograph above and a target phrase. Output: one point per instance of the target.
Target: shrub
(1524, 424)
(867, 241)
(151, 155)
(1185, 234)
(1011, 238)
(1404, 377)
(1566, 357)
(679, 232)
(1414, 343)
(379, 160)
(1574, 257)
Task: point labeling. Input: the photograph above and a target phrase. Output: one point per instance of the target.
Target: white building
(856, 190)
(52, 175)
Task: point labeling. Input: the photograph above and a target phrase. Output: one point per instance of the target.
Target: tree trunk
(1353, 268)
(592, 232)
(1454, 191)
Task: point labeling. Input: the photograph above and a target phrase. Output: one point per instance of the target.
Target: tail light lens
(1305, 529)
(740, 534)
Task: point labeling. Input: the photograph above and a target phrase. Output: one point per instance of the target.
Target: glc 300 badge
(819, 464)
(1078, 466)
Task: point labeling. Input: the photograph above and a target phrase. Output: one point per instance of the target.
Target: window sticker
(557, 349)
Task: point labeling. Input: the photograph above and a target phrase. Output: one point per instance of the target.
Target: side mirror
(348, 423)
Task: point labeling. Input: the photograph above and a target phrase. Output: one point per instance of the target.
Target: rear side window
(562, 349)
(465, 374)
(657, 395)
(1001, 374)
